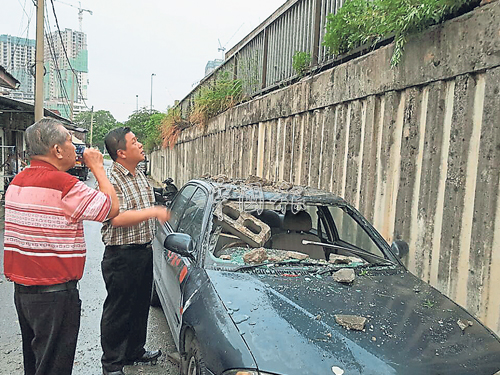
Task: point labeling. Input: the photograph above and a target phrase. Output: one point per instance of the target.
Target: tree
(146, 126)
(103, 123)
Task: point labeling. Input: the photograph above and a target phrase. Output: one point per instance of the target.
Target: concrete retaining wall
(416, 149)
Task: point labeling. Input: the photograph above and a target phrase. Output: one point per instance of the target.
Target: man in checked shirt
(127, 266)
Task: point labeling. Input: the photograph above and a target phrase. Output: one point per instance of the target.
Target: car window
(192, 219)
(285, 234)
(313, 213)
(350, 232)
(179, 204)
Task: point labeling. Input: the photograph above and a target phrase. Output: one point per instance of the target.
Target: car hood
(288, 323)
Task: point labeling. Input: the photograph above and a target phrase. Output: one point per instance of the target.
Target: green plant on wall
(359, 22)
(172, 125)
(301, 62)
(213, 99)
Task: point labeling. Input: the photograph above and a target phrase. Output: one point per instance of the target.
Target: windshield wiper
(302, 262)
(386, 262)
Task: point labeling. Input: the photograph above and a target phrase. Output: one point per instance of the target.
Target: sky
(129, 40)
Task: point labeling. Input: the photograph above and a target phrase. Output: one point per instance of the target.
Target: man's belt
(35, 289)
(129, 246)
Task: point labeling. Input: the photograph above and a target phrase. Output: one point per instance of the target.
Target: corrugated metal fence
(264, 58)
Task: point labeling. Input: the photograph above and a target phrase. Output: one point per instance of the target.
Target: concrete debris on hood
(345, 275)
(354, 322)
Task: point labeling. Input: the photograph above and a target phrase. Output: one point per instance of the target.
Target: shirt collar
(42, 164)
(122, 169)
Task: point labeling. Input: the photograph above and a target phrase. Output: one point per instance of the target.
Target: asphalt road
(92, 294)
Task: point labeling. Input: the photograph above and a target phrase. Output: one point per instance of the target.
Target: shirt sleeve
(121, 198)
(84, 203)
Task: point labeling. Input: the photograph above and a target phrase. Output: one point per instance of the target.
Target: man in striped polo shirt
(44, 247)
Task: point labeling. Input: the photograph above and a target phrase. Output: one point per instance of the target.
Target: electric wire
(66, 54)
(53, 55)
(52, 51)
(10, 63)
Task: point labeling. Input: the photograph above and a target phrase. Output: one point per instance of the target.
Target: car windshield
(292, 235)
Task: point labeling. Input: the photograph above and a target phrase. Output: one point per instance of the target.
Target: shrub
(301, 62)
(172, 125)
(363, 21)
(213, 99)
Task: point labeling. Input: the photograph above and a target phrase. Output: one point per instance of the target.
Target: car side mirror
(400, 248)
(180, 243)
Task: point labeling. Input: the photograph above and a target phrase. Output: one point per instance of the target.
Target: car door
(186, 217)
(165, 274)
(192, 223)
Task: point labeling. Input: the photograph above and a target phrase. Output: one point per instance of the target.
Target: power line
(52, 51)
(13, 53)
(66, 54)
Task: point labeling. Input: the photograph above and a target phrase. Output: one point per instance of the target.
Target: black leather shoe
(148, 356)
(119, 372)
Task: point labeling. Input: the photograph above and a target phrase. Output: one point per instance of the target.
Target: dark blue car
(258, 278)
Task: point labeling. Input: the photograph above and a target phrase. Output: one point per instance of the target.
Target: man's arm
(134, 217)
(94, 160)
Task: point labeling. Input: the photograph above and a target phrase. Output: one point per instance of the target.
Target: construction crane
(80, 12)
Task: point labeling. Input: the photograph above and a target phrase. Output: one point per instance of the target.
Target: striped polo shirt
(44, 213)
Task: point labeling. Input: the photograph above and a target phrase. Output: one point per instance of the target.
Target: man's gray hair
(43, 135)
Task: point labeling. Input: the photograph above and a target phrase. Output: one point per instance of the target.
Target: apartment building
(62, 84)
(17, 56)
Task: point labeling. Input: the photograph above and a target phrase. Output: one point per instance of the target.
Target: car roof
(234, 189)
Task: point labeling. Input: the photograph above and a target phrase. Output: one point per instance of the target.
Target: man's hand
(161, 213)
(92, 158)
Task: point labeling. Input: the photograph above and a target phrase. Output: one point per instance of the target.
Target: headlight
(244, 372)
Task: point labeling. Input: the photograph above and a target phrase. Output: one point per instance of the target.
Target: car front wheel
(195, 365)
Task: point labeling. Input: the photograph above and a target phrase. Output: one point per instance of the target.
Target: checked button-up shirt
(134, 193)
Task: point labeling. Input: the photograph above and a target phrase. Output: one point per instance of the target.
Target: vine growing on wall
(360, 22)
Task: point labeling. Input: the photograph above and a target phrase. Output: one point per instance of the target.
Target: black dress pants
(49, 329)
(128, 274)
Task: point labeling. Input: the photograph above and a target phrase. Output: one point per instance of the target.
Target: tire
(155, 300)
(194, 365)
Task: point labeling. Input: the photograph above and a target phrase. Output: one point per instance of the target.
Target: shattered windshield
(291, 235)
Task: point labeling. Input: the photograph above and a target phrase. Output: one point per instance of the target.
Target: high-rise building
(66, 61)
(212, 65)
(66, 69)
(17, 56)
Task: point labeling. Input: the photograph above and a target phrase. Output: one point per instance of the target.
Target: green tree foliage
(103, 123)
(367, 21)
(146, 126)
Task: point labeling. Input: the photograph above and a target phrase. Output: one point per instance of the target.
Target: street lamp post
(137, 103)
(151, 104)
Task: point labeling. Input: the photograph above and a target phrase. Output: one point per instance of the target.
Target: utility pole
(151, 104)
(137, 103)
(91, 124)
(39, 68)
